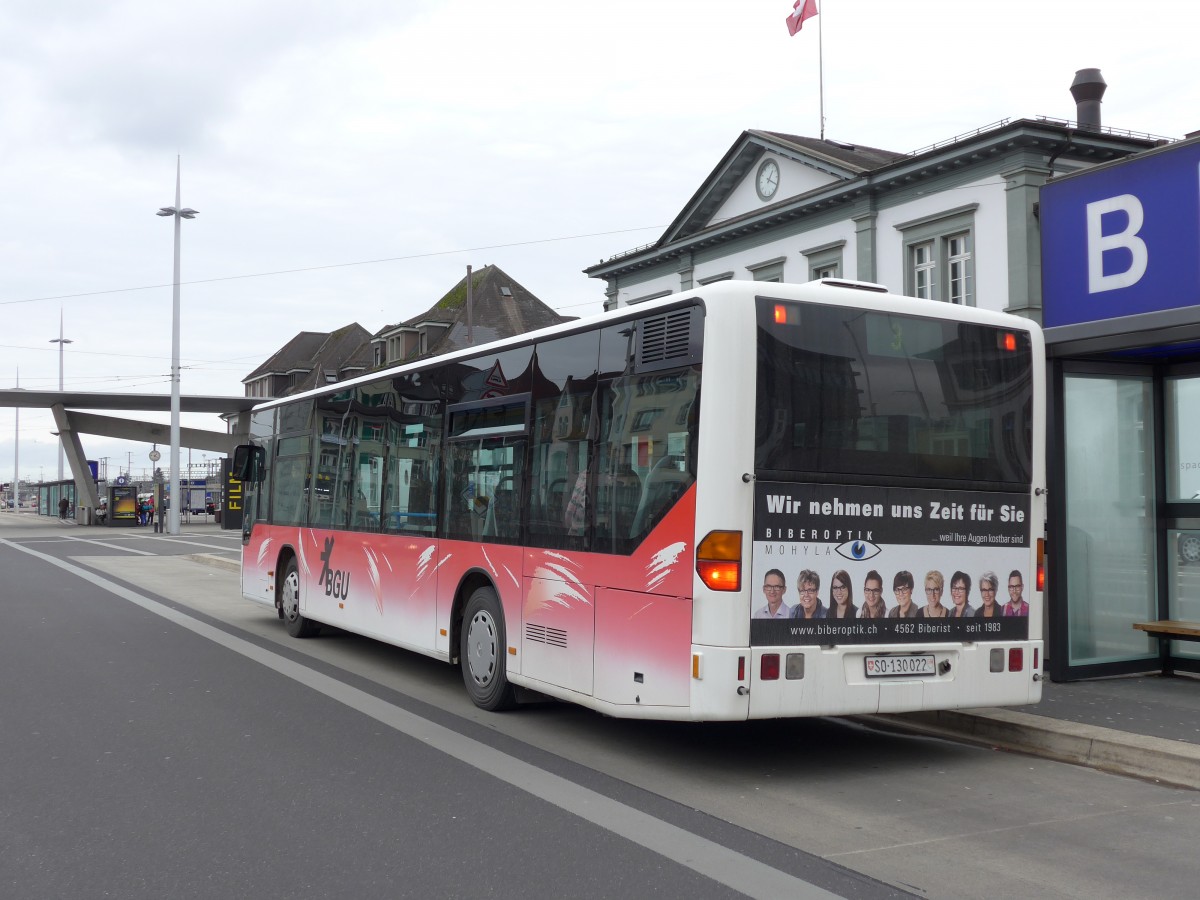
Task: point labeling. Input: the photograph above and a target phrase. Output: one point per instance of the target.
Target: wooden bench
(1169, 630)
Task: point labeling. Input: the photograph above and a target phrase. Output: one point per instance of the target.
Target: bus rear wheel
(482, 652)
(289, 604)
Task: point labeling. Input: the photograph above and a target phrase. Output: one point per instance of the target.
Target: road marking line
(721, 864)
(69, 537)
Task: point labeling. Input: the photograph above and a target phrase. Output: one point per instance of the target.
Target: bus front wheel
(482, 652)
(289, 604)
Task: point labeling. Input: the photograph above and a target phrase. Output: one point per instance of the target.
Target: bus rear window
(858, 392)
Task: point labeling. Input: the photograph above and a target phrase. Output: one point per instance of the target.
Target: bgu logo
(336, 581)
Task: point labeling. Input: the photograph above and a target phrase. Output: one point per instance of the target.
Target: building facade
(956, 221)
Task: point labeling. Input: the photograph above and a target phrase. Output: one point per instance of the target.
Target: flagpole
(821, 68)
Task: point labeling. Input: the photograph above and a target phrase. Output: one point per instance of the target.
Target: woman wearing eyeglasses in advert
(774, 585)
(988, 585)
(960, 595)
(873, 606)
(902, 587)
(808, 585)
(841, 596)
(934, 585)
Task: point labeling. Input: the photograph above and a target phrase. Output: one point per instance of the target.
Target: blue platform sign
(1123, 240)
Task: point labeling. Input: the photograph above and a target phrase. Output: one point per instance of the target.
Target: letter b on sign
(1099, 243)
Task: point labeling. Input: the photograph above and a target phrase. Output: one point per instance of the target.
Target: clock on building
(766, 182)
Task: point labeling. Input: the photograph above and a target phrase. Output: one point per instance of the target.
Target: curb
(1107, 749)
(217, 562)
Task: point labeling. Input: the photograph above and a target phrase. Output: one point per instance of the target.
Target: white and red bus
(635, 512)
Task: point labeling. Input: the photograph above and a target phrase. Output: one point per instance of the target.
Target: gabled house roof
(501, 307)
(315, 353)
(837, 160)
(349, 347)
(295, 354)
(858, 179)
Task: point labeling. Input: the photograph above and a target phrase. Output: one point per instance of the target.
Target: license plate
(896, 666)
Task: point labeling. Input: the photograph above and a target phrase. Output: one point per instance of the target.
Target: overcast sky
(371, 150)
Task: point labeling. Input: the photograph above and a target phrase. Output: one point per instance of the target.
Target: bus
(748, 500)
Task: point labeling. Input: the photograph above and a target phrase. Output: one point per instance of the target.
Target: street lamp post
(177, 212)
(17, 452)
(62, 342)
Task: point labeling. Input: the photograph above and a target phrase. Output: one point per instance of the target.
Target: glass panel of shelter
(1181, 397)
(1111, 537)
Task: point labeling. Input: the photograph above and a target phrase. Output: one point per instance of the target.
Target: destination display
(838, 564)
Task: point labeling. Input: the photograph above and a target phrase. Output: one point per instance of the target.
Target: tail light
(1016, 659)
(719, 560)
(768, 667)
(1040, 577)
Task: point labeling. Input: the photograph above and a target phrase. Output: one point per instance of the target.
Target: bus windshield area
(859, 392)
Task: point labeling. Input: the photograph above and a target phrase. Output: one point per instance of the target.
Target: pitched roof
(347, 347)
(853, 156)
(837, 160)
(852, 170)
(295, 354)
(501, 307)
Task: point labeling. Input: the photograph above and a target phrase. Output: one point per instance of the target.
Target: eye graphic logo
(858, 550)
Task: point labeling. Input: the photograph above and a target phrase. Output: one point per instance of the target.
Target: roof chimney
(1087, 89)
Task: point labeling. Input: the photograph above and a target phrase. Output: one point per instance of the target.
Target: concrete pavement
(1145, 726)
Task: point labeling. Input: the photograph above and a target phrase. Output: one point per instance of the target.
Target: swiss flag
(804, 9)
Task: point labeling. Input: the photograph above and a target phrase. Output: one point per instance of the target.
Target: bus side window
(563, 431)
(651, 425)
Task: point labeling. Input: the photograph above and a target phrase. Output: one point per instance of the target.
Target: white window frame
(939, 256)
(824, 261)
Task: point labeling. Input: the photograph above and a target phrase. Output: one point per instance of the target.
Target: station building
(1121, 309)
(1092, 231)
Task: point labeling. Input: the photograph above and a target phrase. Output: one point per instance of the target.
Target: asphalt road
(161, 737)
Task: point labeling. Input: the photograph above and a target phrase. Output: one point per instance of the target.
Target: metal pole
(17, 453)
(821, 68)
(173, 517)
(178, 213)
(62, 344)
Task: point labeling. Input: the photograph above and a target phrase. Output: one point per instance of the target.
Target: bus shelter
(1121, 303)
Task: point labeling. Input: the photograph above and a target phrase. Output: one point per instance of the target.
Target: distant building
(500, 308)
(956, 221)
(311, 359)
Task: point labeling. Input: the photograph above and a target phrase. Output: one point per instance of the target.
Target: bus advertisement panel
(866, 565)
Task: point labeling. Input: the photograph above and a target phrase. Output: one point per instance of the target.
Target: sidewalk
(1145, 726)
(28, 518)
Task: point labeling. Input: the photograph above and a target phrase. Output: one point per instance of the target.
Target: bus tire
(289, 604)
(482, 652)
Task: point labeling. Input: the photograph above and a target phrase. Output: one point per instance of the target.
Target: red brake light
(780, 314)
(1016, 659)
(768, 668)
(1040, 575)
(1010, 341)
